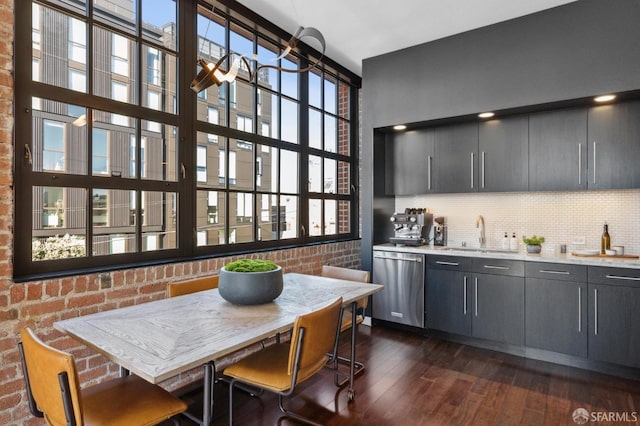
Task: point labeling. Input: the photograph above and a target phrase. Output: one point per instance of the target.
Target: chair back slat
(44, 365)
(347, 274)
(192, 286)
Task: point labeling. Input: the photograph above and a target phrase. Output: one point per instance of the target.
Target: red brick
(9, 401)
(85, 300)
(34, 291)
(45, 307)
(18, 293)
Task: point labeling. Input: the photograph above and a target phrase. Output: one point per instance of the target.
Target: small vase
(534, 249)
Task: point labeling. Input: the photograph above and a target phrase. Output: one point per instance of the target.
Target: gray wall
(569, 52)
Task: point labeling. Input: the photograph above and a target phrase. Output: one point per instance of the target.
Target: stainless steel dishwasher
(402, 299)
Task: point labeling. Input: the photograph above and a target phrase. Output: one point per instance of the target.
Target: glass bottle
(605, 240)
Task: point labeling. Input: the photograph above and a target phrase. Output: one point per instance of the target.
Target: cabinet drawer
(450, 263)
(556, 271)
(514, 268)
(614, 276)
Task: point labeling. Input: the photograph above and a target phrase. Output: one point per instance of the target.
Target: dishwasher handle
(405, 259)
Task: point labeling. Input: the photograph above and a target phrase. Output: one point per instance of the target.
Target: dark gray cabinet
(558, 150)
(455, 167)
(409, 162)
(503, 154)
(488, 306)
(614, 146)
(556, 308)
(614, 303)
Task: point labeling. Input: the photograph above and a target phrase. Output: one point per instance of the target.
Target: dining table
(161, 339)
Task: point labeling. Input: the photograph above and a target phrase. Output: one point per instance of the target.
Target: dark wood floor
(413, 380)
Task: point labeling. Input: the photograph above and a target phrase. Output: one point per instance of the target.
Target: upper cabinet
(409, 162)
(456, 158)
(614, 146)
(558, 150)
(502, 153)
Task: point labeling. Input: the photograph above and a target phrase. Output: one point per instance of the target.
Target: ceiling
(359, 29)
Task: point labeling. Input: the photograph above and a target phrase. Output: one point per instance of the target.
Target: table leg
(352, 393)
(207, 399)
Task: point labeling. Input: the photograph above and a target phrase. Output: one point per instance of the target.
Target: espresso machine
(412, 227)
(439, 232)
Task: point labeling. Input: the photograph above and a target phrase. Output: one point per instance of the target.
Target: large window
(119, 162)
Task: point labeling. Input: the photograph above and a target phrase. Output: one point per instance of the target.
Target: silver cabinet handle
(472, 156)
(579, 309)
(476, 295)
(429, 162)
(504, 268)
(580, 164)
(464, 296)
(594, 161)
(545, 271)
(483, 154)
(442, 262)
(620, 277)
(595, 311)
(418, 260)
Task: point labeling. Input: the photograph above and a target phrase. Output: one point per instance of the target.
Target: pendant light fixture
(211, 73)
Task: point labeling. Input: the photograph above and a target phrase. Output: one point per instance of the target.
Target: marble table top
(160, 339)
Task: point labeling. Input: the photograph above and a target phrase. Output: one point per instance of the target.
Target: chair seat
(128, 401)
(268, 368)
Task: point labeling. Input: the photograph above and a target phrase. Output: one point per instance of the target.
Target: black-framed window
(119, 163)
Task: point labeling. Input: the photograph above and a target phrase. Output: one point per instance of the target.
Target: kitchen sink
(479, 250)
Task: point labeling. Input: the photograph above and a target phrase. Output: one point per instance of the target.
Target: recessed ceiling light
(486, 114)
(399, 127)
(604, 98)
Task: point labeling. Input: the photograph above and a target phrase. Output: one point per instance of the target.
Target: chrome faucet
(480, 224)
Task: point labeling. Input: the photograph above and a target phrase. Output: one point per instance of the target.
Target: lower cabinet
(447, 301)
(498, 308)
(556, 316)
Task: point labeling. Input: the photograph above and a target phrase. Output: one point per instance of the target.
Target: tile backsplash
(561, 217)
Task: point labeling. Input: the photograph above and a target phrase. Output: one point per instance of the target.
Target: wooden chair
(347, 320)
(191, 286)
(280, 367)
(54, 392)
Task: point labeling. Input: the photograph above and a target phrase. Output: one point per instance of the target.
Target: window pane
(159, 81)
(159, 152)
(211, 161)
(344, 217)
(267, 53)
(268, 217)
(58, 223)
(290, 79)
(330, 95)
(100, 152)
(241, 212)
(289, 171)
(344, 178)
(268, 114)
(330, 220)
(115, 66)
(329, 186)
(75, 5)
(77, 81)
(315, 90)
(315, 173)
(289, 121)
(60, 141)
(245, 165)
(159, 21)
(315, 217)
(117, 12)
(113, 228)
(241, 43)
(114, 149)
(329, 133)
(159, 218)
(289, 204)
(244, 107)
(210, 210)
(315, 129)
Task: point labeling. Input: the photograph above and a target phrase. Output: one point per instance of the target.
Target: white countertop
(616, 262)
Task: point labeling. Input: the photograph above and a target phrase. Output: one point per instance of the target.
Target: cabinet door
(448, 301)
(614, 145)
(614, 329)
(498, 308)
(456, 158)
(558, 150)
(556, 316)
(503, 152)
(410, 154)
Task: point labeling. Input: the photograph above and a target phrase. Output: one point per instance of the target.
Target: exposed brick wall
(39, 304)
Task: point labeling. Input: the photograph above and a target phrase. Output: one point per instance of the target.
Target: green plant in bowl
(533, 243)
(251, 265)
(250, 281)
